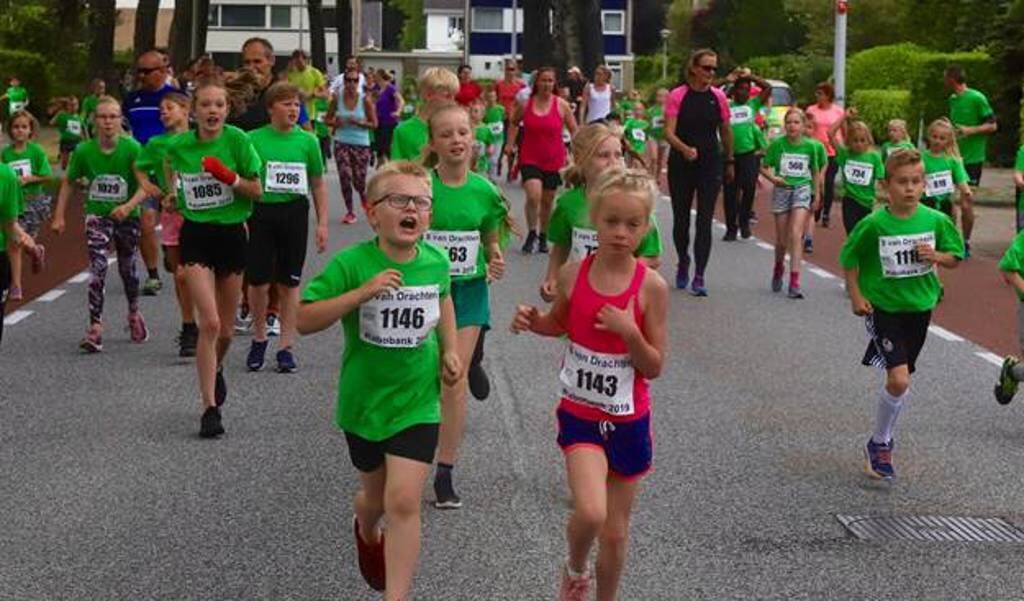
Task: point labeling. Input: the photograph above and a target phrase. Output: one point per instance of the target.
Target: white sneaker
(273, 325)
(243, 321)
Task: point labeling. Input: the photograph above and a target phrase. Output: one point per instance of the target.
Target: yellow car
(775, 113)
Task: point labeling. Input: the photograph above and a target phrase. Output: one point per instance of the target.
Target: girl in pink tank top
(613, 309)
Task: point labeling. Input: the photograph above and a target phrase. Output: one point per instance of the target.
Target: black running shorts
(896, 338)
(278, 234)
(415, 442)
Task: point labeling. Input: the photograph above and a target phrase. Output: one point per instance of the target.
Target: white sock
(885, 417)
(1017, 372)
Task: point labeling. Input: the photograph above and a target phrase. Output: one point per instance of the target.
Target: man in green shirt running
(975, 121)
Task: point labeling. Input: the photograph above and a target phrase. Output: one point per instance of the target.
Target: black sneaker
(531, 238)
(479, 383)
(745, 232)
(210, 425)
(220, 388)
(187, 340)
(730, 236)
(542, 243)
(445, 492)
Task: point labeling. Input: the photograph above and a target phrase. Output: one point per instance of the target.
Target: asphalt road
(108, 493)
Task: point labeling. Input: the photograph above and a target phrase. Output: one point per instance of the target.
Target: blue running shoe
(967, 249)
(683, 276)
(286, 361)
(698, 288)
(808, 245)
(257, 355)
(879, 460)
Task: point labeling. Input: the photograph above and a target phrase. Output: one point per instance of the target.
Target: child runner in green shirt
(494, 118)
(819, 189)
(637, 133)
(738, 194)
(16, 97)
(292, 172)
(11, 234)
(71, 128)
(484, 140)
(437, 87)
(898, 138)
(795, 165)
(861, 165)
(97, 88)
(944, 173)
(214, 172)
(1012, 268)
(596, 149)
(30, 164)
(890, 260)
(656, 115)
(107, 163)
(468, 218)
(392, 296)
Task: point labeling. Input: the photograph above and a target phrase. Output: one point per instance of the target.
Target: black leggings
(703, 178)
(853, 212)
(739, 195)
(5, 284)
(830, 190)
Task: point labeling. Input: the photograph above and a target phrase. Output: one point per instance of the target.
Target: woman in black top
(700, 138)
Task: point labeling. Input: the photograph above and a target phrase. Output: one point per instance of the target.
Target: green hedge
(877, 107)
(647, 70)
(884, 67)
(33, 72)
(802, 72)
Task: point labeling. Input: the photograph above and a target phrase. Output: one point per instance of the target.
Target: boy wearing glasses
(392, 296)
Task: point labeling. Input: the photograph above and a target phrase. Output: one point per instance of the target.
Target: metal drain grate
(932, 528)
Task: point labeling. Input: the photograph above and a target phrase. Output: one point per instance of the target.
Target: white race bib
(740, 114)
(75, 127)
(603, 381)
(795, 165)
(939, 183)
(584, 243)
(21, 167)
(203, 191)
(497, 128)
(566, 136)
(899, 255)
(639, 135)
(286, 178)
(401, 318)
(658, 122)
(108, 188)
(17, 105)
(858, 173)
(462, 249)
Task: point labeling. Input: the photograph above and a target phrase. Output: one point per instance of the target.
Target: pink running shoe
(15, 294)
(93, 341)
(137, 327)
(574, 589)
(38, 255)
(349, 219)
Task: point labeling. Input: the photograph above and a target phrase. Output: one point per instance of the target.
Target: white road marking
(111, 260)
(821, 273)
(17, 316)
(80, 278)
(945, 334)
(51, 296)
(992, 358)
(765, 246)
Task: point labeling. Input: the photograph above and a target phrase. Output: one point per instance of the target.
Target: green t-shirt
(743, 118)
(202, 198)
(484, 139)
(408, 109)
(860, 172)
(111, 175)
(795, 163)
(942, 173)
(891, 147)
(882, 247)
(495, 114)
(320, 106)
(761, 141)
(462, 218)
(31, 161)
(89, 104)
(151, 159)
(636, 133)
(570, 228)
(71, 127)
(971, 108)
(408, 139)
(1018, 165)
(383, 390)
(290, 161)
(1013, 259)
(11, 202)
(17, 99)
(625, 109)
(656, 116)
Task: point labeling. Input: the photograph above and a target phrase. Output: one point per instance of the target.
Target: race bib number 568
(795, 165)
(899, 255)
(401, 318)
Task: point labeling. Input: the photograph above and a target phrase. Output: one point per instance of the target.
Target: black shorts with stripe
(896, 338)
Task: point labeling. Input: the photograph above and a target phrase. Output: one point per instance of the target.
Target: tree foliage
(414, 29)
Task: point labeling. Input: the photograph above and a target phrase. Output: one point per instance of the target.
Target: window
(281, 17)
(613, 22)
(488, 19)
(455, 24)
(214, 19)
(243, 15)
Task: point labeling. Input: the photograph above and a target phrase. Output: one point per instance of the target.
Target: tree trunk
(559, 49)
(101, 46)
(202, 28)
(536, 34)
(317, 42)
(145, 26)
(180, 41)
(591, 36)
(343, 24)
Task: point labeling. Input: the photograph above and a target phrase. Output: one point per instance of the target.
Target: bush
(801, 72)
(884, 67)
(33, 72)
(647, 70)
(877, 107)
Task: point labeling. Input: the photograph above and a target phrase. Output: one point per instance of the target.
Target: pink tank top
(542, 144)
(599, 382)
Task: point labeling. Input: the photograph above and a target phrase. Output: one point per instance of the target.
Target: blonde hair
(102, 100)
(900, 123)
(953, 149)
(438, 79)
(33, 123)
(584, 144)
(798, 111)
(862, 127)
(430, 158)
(902, 158)
(632, 182)
(695, 57)
(393, 169)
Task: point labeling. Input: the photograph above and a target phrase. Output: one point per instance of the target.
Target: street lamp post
(839, 57)
(665, 34)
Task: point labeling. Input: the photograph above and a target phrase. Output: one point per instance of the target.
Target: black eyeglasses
(147, 70)
(401, 201)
